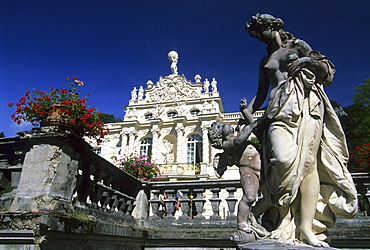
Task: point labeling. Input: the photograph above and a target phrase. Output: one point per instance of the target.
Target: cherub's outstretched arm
(248, 117)
(240, 139)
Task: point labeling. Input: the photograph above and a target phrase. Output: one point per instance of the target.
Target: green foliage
(359, 116)
(140, 167)
(256, 143)
(358, 127)
(109, 118)
(362, 93)
(7, 189)
(2, 135)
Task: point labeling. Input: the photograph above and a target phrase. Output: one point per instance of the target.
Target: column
(124, 145)
(155, 132)
(131, 142)
(205, 143)
(181, 146)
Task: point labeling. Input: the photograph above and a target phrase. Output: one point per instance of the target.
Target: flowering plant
(139, 167)
(63, 105)
(361, 155)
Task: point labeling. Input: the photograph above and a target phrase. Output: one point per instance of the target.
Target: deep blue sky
(115, 45)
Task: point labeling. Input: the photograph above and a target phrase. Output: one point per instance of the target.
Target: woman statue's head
(262, 22)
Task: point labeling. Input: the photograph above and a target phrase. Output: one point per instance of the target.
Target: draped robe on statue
(302, 130)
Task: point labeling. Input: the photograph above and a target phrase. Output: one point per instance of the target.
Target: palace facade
(168, 121)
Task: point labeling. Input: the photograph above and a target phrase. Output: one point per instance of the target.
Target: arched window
(194, 152)
(146, 147)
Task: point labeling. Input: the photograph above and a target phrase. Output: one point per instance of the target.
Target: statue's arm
(263, 87)
(248, 117)
(240, 139)
(309, 59)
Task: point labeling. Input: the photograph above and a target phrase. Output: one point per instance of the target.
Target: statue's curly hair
(261, 22)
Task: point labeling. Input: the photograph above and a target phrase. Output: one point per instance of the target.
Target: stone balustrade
(195, 196)
(50, 170)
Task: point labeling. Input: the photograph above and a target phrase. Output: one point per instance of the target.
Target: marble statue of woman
(206, 86)
(134, 94)
(214, 85)
(140, 93)
(305, 178)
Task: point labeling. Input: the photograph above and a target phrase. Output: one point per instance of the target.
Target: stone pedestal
(48, 180)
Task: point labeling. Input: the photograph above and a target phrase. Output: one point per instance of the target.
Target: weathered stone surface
(47, 180)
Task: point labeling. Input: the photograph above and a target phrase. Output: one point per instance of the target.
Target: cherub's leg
(250, 185)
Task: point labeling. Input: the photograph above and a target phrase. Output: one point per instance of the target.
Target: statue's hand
(296, 66)
(243, 104)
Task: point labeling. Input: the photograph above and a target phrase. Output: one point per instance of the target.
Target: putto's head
(262, 22)
(218, 132)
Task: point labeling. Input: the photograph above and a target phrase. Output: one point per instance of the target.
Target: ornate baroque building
(168, 122)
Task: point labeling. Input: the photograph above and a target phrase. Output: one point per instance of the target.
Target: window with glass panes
(146, 147)
(194, 149)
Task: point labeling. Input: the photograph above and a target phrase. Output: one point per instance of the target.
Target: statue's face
(266, 36)
(262, 34)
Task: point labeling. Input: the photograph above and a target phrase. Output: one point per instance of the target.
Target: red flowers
(37, 105)
(361, 155)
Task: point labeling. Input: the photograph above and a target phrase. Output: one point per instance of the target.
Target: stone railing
(235, 116)
(46, 170)
(213, 201)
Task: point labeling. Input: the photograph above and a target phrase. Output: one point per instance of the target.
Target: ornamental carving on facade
(175, 88)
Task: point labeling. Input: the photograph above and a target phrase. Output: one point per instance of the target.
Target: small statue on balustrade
(239, 151)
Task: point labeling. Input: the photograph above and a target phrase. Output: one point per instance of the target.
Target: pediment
(172, 88)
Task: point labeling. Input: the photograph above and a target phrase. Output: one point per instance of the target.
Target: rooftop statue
(174, 58)
(305, 180)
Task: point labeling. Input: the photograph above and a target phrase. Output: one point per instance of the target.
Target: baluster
(154, 203)
(85, 188)
(114, 202)
(130, 206)
(215, 202)
(170, 202)
(231, 202)
(122, 207)
(185, 202)
(199, 202)
(97, 195)
(105, 199)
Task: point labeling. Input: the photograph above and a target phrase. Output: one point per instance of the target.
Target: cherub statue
(241, 152)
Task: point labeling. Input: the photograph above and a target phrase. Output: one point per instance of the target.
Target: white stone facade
(168, 121)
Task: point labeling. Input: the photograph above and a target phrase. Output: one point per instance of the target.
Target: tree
(109, 118)
(359, 115)
(362, 94)
(2, 135)
(358, 128)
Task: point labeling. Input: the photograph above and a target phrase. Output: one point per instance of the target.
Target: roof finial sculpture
(173, 57)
